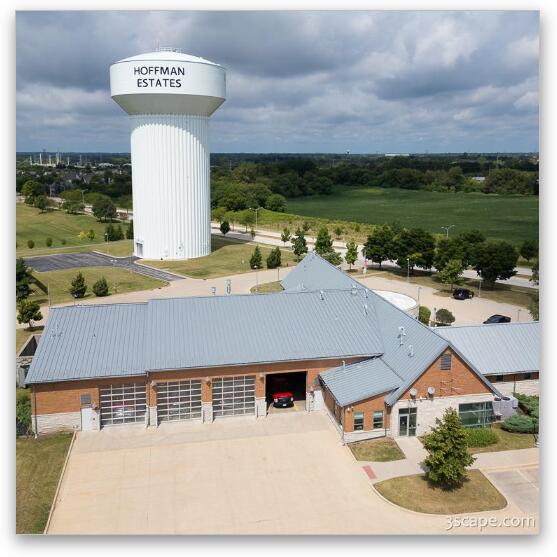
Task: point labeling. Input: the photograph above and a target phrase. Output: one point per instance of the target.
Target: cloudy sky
(297, 81)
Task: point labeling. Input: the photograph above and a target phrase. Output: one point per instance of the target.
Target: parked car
(497, 319)
(281, 394)
(462, 294)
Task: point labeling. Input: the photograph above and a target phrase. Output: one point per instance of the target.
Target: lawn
(119, 281)
(500, 217)
(228, 257)
(502, 293)
(507, 441)
(376, 450)
(268, 288)
(38, 467)
(417, 494)
(58, 225)
(21, 335)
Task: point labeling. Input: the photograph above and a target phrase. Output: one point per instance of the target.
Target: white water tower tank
(169, 97)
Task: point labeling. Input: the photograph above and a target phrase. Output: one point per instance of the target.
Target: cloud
(297, 81)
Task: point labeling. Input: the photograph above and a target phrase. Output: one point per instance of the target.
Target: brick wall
(368, 407)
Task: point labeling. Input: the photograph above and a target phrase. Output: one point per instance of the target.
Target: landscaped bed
(376, 450)
(267, 288)
(38, 467)
(507, 441)
(416, 493)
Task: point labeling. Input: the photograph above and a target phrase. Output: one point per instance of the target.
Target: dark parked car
(462, 294)
(497, 319)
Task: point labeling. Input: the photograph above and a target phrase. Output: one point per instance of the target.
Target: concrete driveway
(522, 486)
(284, 474)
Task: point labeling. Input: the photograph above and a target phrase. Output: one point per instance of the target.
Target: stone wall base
(260, 407)
(355, 436)
(527, 387)
(207, 412)
(53, 423)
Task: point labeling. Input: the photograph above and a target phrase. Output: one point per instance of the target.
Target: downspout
(35, 409)
(148, 402)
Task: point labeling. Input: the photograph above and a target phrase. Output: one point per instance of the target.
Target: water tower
(169, 97)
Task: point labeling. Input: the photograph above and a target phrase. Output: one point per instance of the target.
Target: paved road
(273, 238)
(59, 261)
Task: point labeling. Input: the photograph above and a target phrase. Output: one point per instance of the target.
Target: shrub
(23, 412)
(48, 242)
(424, 315)
(224, 227)
(521, 424)
(78, 286)
(529, 404)
(256, 260)
(30, 244)
(100, 288)
(274, 259)
(63, 242)
(444, 317)
(91, 234)
(480, 437)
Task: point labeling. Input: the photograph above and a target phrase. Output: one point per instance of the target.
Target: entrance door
(139, 249)
(407, 418)
(88, 419)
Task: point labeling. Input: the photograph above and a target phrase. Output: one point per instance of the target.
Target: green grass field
(228, 257)
(38, 467)
(119, 281)
(500, 217)
(58, 225)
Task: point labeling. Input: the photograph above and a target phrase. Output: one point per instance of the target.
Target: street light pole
(447, 228)
(408, 270)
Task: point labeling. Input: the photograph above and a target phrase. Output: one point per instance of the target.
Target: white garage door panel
(179, 400)
(123, 404)
(234, 396)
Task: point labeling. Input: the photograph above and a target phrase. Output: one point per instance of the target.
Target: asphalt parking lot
(522, 486)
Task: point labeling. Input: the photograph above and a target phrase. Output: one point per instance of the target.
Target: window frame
(382, 416)
(358, 416)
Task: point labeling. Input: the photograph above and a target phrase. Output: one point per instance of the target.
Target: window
(85, 400)
(378, 419)
(358, 421)
(446, 361)
(476, 414)
(527, 376)
(499, 378)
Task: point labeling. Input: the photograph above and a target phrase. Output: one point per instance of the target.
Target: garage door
(234, 396)
(123, 404)
(179, 400)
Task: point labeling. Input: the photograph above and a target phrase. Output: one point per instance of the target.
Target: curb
(45, 531)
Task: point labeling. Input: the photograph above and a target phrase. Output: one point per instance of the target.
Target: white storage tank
(169, 97)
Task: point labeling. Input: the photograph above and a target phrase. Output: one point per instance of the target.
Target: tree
(30, 190)
(109, 233)
(414, 248)
(274, 259)
(534, 307)
(104, 209)
(351, 253)
(73, 201)
(323, 242)
(23, 280)
(452, 273)
(444, 317)
(129, 231)
(48, 242)
(78, 286)
(23, 412)
(448, 451)
(424, 314)
(379, 244)
(247, 218)
(256, 259)
(41, 203)
(218, 214)
(30, 244)
(333, 257)
(252, 233)
(285, 236)
(91, 234)
(299, 244)
(276, 202)
(118, 233)
(528, 249)
(495, 260)
(306, 226)
(29, 312)
(338, 231)
(100, 288)
(224, 227)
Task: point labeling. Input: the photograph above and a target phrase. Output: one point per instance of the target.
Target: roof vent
(354, 290)
(401, 335)
(365, 309)
(410, 350)
(321, 295)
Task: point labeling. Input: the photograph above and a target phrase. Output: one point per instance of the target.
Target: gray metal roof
(233, 330)
(497, 348)
(81, 342)
(359, 381)
(314, 273)
(110, 340)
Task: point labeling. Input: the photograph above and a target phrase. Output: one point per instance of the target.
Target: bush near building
(23, 412)
(521, 424)
(529, 404)
(480, 437)
(424, 315)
